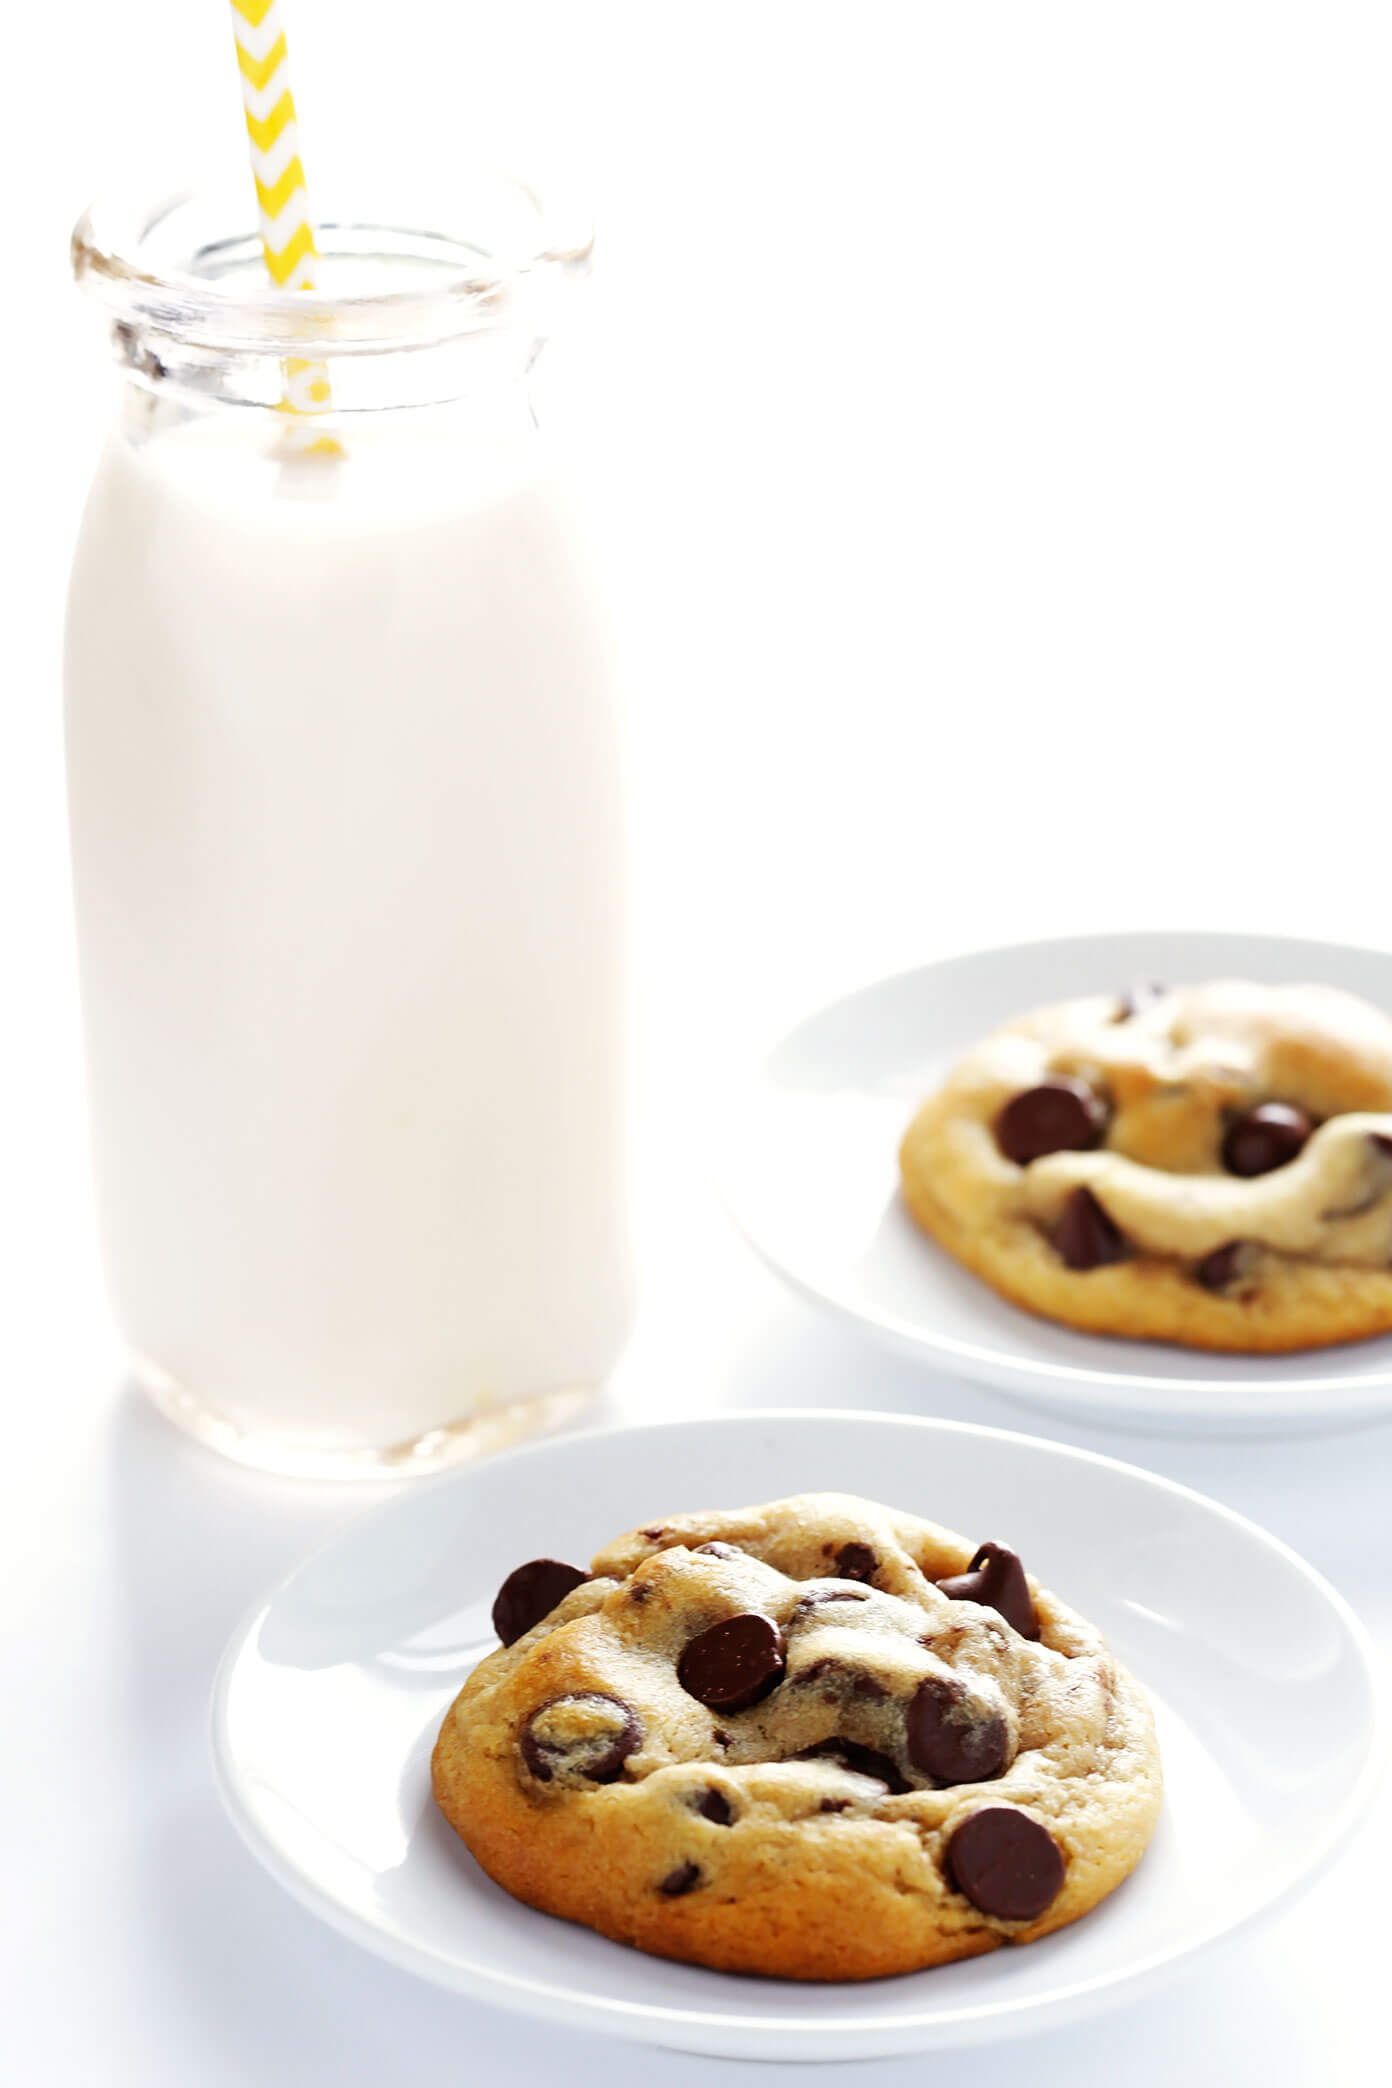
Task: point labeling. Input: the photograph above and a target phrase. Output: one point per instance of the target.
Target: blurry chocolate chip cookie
(1211, 1165)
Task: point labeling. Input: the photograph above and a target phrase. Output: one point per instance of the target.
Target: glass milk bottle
(347, 840)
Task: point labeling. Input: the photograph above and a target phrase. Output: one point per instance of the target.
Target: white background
(994, 412)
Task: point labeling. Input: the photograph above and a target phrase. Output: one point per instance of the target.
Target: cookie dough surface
(796, 1815)
(1228, 1178)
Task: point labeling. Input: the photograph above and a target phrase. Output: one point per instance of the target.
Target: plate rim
(642, 2021)
(1089, 1387)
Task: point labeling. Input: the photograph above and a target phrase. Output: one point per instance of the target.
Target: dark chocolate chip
(1005, 1863)
(716, 1550)
(950, 1738)
(1226, 1265)
(715, 1806)
(835, 1805)
(816, 1669)
(683, 1879)
(996, 1579)
(1265, 1138)
(720, 1739)
(1085, 1236)
(847, 1677)
(641, 1591)
(865, 1761)
(819, 1593)
(831, 1591)
(594, 1756)
(734, 1664)
(1143, 994)
(657, 1530)
(530, 1593)
(1058, 1116)
(1376, 1181)
(856, 1562)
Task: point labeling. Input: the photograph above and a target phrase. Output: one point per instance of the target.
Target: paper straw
(273, 133)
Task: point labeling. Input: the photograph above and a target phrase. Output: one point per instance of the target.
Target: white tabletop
(995, 455)
(147, 1948)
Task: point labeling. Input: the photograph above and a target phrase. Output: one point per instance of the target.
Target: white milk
(348, 859)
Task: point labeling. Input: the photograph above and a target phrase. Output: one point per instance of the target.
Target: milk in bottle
(347, 841)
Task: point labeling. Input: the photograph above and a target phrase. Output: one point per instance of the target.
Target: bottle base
(478, 1435)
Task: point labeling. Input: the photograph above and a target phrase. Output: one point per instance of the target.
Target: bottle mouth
(189, 267)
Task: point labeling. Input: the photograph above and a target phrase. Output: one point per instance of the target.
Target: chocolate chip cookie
(1210, 1165)
(816, 1740)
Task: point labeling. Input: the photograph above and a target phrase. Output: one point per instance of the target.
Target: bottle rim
(188, 267)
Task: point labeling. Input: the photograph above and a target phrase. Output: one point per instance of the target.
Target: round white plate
(809, 1169)
(330, 1696)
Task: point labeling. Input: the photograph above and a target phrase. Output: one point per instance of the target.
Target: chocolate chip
(1058, 1116)
(715, 1806)
(583, 1737)
(640, 1592)
(865, 1761)
(734, 1664)
(950, 1738)
(530, 1593)
(1005, 1863)
(848, 1678)
(835, 1805)
(819, 1593)
(657, 1530)
(996, 1579)
(716, 1550)
(683, 1879)
(1226, 1265)
(1376, 1181)
(1085, 1236)
(856, 1562)
(1265, 1138)
(720, 1739)
(1142, 995)
(816, 1669)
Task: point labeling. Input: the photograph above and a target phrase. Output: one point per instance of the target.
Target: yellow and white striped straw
(273, 132)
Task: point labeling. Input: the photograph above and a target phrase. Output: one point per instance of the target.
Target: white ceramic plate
(810, 1173)
(329, 1699)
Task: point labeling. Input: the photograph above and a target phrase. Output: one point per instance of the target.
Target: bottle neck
(486, 373)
